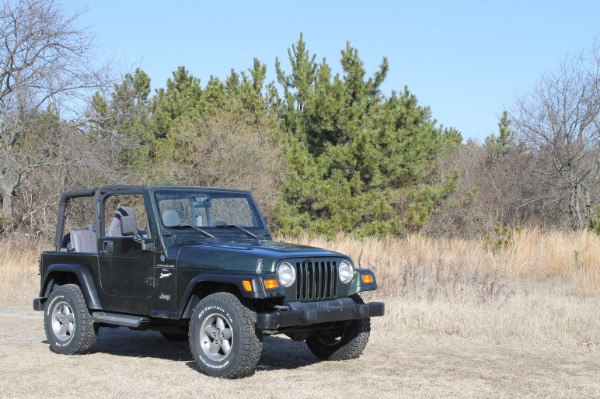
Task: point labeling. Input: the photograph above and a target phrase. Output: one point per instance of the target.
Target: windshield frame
(162, 193)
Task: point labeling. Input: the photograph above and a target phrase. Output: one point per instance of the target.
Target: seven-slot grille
(316, 280)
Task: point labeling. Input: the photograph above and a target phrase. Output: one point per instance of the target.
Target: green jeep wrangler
(196, 264)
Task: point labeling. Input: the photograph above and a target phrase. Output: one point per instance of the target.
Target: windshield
(207, 210)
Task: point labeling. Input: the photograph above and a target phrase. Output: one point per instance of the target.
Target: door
(166, 285)
(126, 271)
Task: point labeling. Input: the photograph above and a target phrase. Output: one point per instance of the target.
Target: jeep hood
(244, 256)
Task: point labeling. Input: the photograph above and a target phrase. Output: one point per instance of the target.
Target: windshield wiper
(237, 226)
(189, 226)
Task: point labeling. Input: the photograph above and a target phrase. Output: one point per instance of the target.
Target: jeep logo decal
(164, 297)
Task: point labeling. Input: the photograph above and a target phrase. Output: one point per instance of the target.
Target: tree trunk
(8, 198)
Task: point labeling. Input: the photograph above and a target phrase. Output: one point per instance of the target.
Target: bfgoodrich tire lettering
(344, 342)
(67, 321)
(223, 339)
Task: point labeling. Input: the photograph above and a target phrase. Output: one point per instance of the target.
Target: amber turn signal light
(367, 278)
(271, 284)
(247, 285)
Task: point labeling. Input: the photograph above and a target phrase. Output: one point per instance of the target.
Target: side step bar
(118, 319)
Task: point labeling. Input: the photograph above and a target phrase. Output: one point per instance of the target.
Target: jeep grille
(316, 280)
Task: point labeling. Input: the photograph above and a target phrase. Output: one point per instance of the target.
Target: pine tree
(180, 100)
(501, 145)
(126, 115)
(357, 161)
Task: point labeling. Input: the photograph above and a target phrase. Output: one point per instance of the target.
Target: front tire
(223, 338)
(67, 321)
(342, 342)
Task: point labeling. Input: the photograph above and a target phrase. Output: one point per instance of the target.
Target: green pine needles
(358, 161)
(324, 153)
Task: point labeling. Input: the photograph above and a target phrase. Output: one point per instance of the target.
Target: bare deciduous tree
(560, 121)
(227, 151)
(493, 190)
(44, 60)
(79, 160)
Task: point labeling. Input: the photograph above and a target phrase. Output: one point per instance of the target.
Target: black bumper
(305, 314)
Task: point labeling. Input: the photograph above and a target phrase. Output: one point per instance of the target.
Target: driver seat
(114, 229)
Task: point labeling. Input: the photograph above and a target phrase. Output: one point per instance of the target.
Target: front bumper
(305, 314)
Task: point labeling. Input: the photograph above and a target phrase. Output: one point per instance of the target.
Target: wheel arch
(60, 274)
(206, 284)
(203, 289)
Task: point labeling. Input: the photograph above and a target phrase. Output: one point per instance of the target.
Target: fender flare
(236, 280)
(84, 277)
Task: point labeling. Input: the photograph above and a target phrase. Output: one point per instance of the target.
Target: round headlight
(286, 274)
(345, 272)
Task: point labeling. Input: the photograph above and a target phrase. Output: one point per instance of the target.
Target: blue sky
(467, 60)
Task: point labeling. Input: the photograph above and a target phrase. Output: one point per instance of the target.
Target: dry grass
(423, 264)
(542, 288)
(460, 321)
(136, 364)
(19, 279)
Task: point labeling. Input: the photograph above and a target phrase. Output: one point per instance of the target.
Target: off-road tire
(343, 342)
(223, 338)
(69, 326)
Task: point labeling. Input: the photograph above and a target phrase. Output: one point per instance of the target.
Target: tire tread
(251, 348)
(85, 336)
(351, 345)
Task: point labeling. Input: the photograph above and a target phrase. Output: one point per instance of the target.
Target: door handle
(107, 247)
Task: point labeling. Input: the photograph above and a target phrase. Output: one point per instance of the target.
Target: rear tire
(341, 342)
(69, 326)
(223, 338)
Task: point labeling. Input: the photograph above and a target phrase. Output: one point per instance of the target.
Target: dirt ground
(127, 363)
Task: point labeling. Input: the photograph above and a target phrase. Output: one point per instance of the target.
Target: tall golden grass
(533, 255)
(543, 287)
(19, 279)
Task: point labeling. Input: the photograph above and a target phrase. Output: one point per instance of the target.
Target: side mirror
(128, 226)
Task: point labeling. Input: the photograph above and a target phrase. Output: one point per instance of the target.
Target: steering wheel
(217, 223)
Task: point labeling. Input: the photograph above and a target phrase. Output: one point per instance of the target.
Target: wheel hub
(63, 321)
(216, 337)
